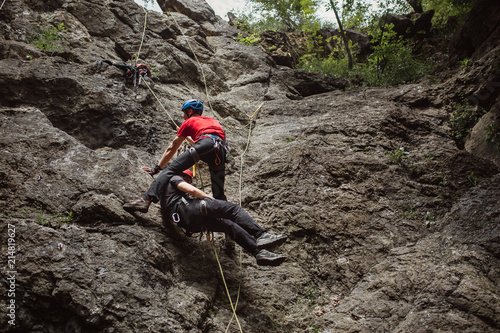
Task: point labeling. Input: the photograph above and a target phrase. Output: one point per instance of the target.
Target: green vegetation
(493, 132)
(394, 60)
(289, 15)
(410, 211)
(442, 179)
(400, 156)
(465, 63)
(429, 220)
(397, 156)
(445, 9)
(249, 40)
(49, 39)
(37, 214)
(56, 220)
(472, 178)
(310, 296)
(464, 117)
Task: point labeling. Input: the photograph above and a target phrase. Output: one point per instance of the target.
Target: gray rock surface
(377, 242)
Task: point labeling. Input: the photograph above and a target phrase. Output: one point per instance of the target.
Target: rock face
(391, 227)
(410, 25)
(479, 32)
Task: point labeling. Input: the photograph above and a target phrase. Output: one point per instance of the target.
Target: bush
(463, 118)
(493, 131)
(252, 39)
(391, 63)
(49, 39)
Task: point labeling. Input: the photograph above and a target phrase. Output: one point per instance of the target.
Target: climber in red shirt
(209, 146)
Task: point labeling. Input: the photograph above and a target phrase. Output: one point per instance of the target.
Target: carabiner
(176, 218)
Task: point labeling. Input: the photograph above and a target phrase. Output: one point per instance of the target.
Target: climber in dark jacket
(195, 211)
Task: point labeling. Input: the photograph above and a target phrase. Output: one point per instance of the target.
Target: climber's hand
(152, 171)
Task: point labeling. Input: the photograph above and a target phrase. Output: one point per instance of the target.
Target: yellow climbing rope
(233, 306)
(173, 121)
(239, 186)
(143, 34)
(199, 65)
(227, 290)
(246, 148)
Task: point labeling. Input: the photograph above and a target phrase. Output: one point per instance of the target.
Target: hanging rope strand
(173, 121)
(237, 296)
(142, 39)
(233, 307)
(246, 148)
(199, 66)
(227, 290)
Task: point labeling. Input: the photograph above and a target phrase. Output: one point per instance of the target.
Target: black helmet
(194, 104)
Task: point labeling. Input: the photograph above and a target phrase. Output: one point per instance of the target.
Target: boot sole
(136, 209)
(271, 262)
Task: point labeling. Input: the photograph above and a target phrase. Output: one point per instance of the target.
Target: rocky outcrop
(286, 48)
(202, 13)
(480, 32)
(410, 26)
(332, 42)
(484, 137)
(391, 226)
(279, 45)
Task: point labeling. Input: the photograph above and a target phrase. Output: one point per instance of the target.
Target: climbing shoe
(140, 205)
(267, 258)
(267, 240)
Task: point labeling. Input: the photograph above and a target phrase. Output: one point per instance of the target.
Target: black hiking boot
(267, 258)
(267, 240)
(140, 205)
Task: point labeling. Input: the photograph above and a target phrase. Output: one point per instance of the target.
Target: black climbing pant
(209, 151)
(215, 215)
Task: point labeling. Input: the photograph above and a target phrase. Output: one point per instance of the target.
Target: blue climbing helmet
(194, 104)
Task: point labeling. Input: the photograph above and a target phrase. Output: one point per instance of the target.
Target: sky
(220, 7)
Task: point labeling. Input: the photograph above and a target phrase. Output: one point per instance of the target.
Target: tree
(416, 5)
(342, 33)
(290, 12)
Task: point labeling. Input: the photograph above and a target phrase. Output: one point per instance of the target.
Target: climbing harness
(175, 208)
(218, 143)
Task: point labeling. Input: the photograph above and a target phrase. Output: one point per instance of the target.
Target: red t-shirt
(197, 126)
